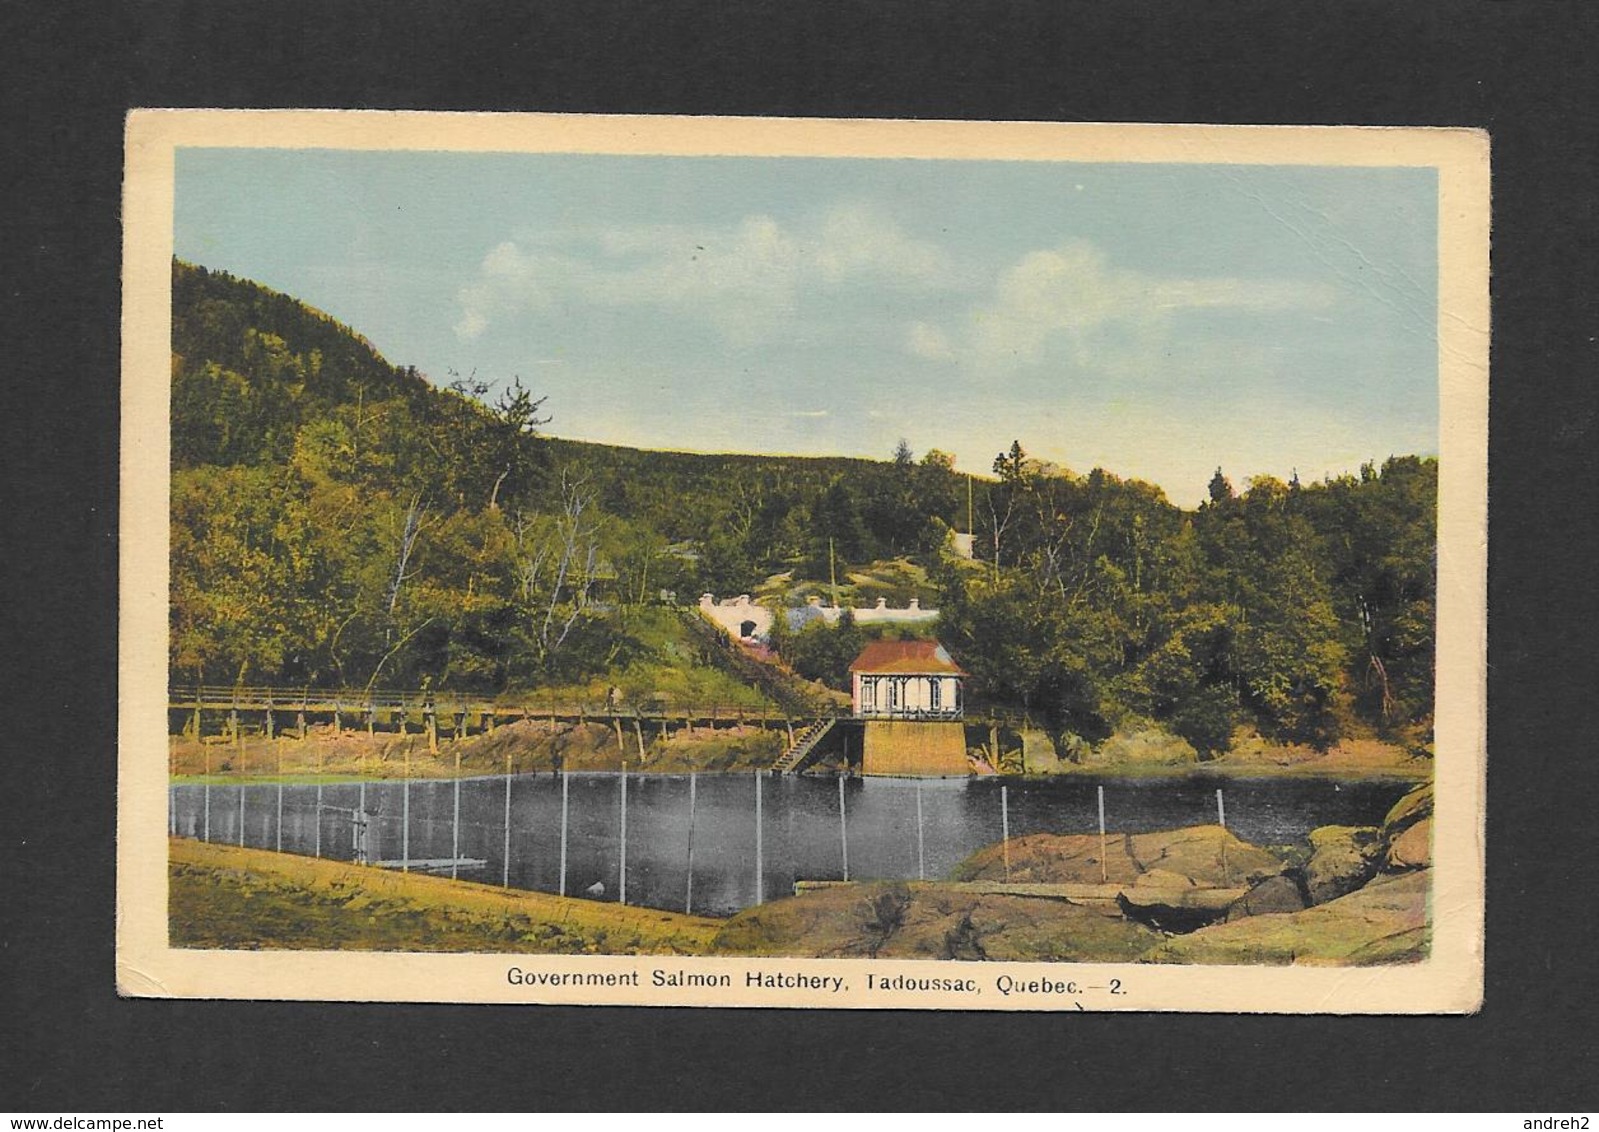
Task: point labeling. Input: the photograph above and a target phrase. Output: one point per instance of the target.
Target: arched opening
(746, 628)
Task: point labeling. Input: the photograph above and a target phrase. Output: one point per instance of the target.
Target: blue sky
(1154, 320)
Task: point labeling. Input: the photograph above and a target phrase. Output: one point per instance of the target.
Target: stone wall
(899, 747)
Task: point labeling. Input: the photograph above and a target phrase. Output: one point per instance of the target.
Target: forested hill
(339, 520)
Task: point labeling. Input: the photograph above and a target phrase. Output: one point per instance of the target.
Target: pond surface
(890, 828)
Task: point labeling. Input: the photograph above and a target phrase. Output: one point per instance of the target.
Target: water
(801, 836)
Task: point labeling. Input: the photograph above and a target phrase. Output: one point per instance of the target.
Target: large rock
(1274, 895)
(926, 921)
(1343, 857)
(1172, 902)
(1383, 923)
(1412, 849)
(1413, 807)
(1050, 858)
(1206, 855)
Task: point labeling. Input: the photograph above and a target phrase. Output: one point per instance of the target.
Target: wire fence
(716, 843)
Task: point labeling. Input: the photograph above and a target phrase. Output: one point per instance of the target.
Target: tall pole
(172, 811)
(760, 862)
(1221, 817)
(455, 822)
(317, 836)
(563, 830)
(280, 799)
(622, 870)
(1103, 849)
(832, 572)
(208, 793)
(241, 813)
(405, 816)
(921, 844)
(505, 849)
(359, 841)
(688, 899)
(1004, 826)
(843, 827)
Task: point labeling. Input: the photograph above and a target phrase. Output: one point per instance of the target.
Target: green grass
(667, 672)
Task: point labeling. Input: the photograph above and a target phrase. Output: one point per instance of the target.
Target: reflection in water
(888, 828)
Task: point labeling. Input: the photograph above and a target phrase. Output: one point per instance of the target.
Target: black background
(1525, 71)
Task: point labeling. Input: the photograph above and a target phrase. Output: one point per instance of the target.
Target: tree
(556, 556)
(1221, 489)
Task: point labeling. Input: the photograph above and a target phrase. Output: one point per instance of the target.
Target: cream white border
(1450, 981)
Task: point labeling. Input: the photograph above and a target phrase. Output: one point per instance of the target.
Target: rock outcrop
(1206, 856)
(1381, 923)
(1412, 849)
(1407, 832)
(1278, 894)
(927, 921)
(1343, 857)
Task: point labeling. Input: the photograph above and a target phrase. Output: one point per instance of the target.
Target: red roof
(918, 657)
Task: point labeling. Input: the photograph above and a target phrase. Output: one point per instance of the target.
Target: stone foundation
(903, 747)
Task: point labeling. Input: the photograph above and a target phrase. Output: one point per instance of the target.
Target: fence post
(241, 815)
(921, 845)
(1221, 809)
(688, 899)
(359, 841)
(455, 822)
(280, 800)
(1004, 826)
(843, 827)
(622, 870)
(1104, 875)
(563, 830)
(505, 850)
(760, 862)
(405, 816)
(207, 793)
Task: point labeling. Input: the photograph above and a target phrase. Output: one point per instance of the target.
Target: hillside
(337, 519)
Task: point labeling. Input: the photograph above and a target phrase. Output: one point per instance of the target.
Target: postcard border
(1450, 981)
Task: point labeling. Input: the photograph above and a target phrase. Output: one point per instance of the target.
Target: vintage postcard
(731, 562)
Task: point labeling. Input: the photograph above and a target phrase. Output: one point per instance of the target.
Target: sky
(1158, 321)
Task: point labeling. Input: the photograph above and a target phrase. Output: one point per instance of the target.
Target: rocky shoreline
(1194, 895)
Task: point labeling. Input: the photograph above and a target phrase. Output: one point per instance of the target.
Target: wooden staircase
(806, 748)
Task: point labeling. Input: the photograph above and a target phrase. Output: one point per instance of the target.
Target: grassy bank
(1154, 754)
(226, 897)
(520, 747)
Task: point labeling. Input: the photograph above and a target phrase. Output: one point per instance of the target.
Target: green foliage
(337, 519)
(1103, 603)
(819, 651)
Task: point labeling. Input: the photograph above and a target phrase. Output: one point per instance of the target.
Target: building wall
(904, 747)
(733, 613)
(916, 694)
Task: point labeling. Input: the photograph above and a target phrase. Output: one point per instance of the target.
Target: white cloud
(1070, 292)
(745, 278)
(926, 341)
